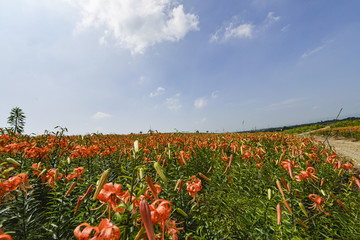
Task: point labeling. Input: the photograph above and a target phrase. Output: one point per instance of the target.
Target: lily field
(175, 186)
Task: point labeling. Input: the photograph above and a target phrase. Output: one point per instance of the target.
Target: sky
(127, 66)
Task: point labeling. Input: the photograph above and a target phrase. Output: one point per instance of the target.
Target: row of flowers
(298, 161)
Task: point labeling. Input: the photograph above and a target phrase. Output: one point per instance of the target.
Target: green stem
(130, 202)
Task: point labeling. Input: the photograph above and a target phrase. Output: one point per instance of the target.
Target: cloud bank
(136, 24)
(100, 115)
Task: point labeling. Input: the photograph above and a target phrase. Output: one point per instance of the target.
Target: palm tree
(17, 120)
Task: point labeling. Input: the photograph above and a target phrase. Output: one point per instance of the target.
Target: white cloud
(284, 104)
(214, 94)
(242, 31)
(233, 31)
(159, 91)
(271, 18)
(100, 115)
(246, 30)
(285, 28)
(200, 103)
(136, 24)
(173, 103)
(311, 52)
(102, 40)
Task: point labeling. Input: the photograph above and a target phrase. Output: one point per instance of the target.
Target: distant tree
(17, 120)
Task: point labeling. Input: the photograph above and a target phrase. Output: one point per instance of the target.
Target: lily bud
(303, 209)
(269, 193)
(159, 170)
(13, 161)
(151, 186)
(301, 223)
(204, 177)
(278, 209)
(103, 180)
(136, 146)
(146, 219)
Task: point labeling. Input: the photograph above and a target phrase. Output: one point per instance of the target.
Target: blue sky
(121, 66)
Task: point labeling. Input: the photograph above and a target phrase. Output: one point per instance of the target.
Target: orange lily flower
(50, 175)
(289, 166)
(36, 170)
(347, 166)
(160, 210)
(105, 230)
(4, 236)
(112, 194)
(151, 196)
(194, 186)
(304, 175)
(224, 158)
(12, 184)
(171, 228)
(77, 172)
(317, 202)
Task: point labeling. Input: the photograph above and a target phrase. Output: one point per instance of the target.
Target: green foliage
(238, 204)
(304, 129)
(348, 123)
(346, 132)
(17, 120)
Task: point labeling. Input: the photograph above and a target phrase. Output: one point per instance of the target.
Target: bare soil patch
(345, 147)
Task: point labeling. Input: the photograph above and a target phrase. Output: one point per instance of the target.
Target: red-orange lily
(171, 229)
(317, 202)
(193, 186)
(304, 175)
(4, 236)
(347, 166)
(106, 230)
(77, 172)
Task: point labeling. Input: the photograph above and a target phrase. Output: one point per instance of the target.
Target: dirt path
(345, 147)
